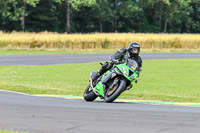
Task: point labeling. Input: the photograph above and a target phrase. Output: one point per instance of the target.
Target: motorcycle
(113, 82)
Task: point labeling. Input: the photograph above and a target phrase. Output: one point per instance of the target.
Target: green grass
(166, 80)
(8, 132)
(16, 52)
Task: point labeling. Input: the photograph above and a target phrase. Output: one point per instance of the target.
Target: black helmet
(134, 49)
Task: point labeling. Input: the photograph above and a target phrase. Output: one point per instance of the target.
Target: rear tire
(120, 88)
(89, 95)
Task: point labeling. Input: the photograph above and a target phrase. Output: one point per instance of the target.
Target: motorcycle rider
(119, 57)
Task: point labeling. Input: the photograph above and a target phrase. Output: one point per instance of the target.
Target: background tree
(102, 13)
(179, 18)
(15, 10)
(128, 16)
(85, 16)
(75, 4)
(24, 13)
(195, 15)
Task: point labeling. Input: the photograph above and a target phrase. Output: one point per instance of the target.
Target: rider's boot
(106, 66)
(97, 75)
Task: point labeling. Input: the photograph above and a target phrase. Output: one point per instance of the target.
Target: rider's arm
(139, 64)
(117, 57)
(139, 67)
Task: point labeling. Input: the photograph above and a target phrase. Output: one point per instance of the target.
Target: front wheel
(113, 93)
(89, 95)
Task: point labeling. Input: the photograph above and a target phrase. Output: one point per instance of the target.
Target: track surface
(33, 114)
(57, 115)
(80, 58)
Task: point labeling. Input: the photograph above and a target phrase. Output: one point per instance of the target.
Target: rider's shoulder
(122, 50)
(139, 58)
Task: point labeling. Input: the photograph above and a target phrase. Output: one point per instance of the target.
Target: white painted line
(156, 104)
(21, 93)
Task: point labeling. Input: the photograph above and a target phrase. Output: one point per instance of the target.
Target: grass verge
(3, 131)
(165, 80)
(25, 52)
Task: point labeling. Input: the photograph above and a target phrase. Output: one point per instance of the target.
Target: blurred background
(89, 16)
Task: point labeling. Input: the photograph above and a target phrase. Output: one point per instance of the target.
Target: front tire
(89, 95)
(111, 95)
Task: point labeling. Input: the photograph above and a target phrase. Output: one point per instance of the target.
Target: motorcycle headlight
(124, 70)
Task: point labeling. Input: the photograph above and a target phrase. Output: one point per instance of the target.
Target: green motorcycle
(112, 83)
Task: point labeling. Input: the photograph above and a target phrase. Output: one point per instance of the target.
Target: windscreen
(132, 64)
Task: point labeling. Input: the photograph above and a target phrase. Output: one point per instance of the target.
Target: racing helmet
(134, 49)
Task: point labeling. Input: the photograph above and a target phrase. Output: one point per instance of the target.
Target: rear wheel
(89, 95)
(114, 92)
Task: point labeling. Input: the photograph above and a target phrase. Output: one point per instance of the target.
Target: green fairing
(120, 67)
(99, 89)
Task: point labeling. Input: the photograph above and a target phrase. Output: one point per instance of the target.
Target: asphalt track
(52, 59)
(33, 114)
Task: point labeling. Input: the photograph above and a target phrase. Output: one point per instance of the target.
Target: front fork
(100, 88)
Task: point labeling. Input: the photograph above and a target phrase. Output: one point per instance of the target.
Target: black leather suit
(119, 57)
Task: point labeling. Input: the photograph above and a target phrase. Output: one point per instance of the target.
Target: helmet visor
(135, 50)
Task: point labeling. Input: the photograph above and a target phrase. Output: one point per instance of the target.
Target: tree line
(86, 16)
